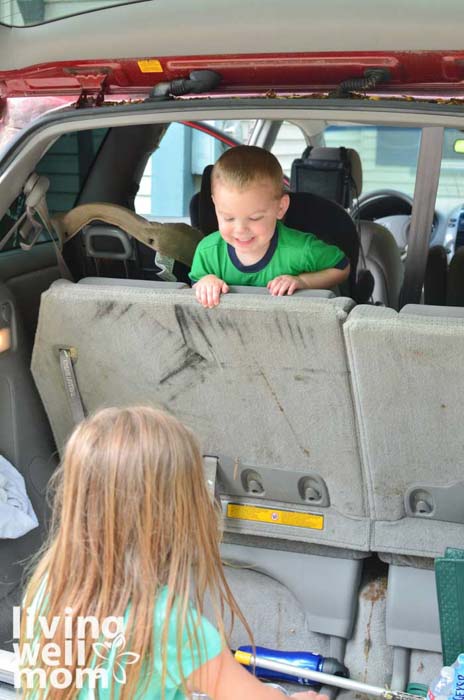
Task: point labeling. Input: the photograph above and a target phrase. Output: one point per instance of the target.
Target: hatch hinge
(90, 97)
(94, 85)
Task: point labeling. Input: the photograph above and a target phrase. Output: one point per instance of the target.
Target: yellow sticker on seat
(277, 517)
(151, 65)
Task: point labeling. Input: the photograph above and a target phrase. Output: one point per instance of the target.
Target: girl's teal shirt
(113, 657)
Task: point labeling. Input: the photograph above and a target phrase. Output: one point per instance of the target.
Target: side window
(451, 184)
(66, 164)
(289, 144)
(10, 218)
(388, 154)
(389, 158)
(173, 172)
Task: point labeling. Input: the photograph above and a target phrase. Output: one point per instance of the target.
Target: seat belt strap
(70, 385)
(65, 272)
(42, 210)
(420, 230)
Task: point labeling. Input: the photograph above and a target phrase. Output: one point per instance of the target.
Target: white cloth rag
(16, 513)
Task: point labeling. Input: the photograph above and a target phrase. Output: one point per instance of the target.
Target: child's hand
(309, 695)
(285, 284)
(209, 289)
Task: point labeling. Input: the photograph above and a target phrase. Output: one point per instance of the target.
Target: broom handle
(328, 679)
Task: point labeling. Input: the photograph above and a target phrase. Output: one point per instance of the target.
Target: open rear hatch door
(121, 50)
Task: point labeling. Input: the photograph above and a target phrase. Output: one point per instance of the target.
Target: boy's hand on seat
(285, 284)
(209, 289)
(309, 695)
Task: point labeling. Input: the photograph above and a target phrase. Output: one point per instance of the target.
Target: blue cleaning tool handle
(298, 659)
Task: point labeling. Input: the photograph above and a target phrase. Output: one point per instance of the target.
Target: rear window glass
(26, 14)
(66, 164)
(389, 157)
(173, 172)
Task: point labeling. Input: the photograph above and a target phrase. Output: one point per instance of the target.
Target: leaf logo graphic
(103, 650)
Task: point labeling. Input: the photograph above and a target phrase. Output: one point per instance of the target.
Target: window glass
(388, 154)
(451, 184)
(238, 129)
(289, 144)
(10, 218)
(389, 157)
(66, 164)
(173, 173)
(29, 13)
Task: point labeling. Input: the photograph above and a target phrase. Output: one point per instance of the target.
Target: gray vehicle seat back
(260, 379)
(26, 441)
(383, 260)
(408, 389)
(263, 381)
(455, 284)
(408, 386)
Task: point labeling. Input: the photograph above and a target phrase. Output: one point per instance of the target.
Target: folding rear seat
(408, 387)
(263, 381)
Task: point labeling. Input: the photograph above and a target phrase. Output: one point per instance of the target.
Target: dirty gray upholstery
(408, 389)
(26, 441)
(263, 381)
(408, 386)
(259, 378)
(383, 260)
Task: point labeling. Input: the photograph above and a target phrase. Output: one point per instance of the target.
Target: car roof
(299, 45)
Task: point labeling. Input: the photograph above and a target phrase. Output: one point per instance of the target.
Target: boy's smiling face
(247, 217)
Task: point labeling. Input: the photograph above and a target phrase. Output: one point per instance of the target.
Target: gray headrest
(103, 240)
(320, 153)
(432, 311)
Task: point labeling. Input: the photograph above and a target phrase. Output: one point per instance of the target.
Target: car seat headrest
(353, 159)
(333, 173)
(106, 241)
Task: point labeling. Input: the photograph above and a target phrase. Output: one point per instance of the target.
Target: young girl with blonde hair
(135, 536)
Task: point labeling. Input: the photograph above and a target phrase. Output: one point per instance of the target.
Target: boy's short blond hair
(243, 166)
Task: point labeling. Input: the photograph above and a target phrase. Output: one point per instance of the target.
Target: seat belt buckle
(29, 231)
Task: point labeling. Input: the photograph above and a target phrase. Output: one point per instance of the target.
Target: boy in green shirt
(253, 247)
